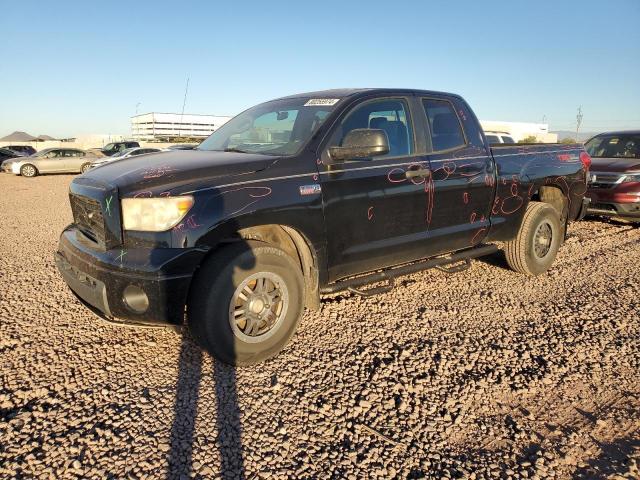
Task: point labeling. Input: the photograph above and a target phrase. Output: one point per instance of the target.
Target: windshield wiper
(233, 149)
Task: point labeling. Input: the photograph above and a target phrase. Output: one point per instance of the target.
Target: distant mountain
(582, 136)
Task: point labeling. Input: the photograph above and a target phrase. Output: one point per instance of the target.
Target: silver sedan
(50, 160)
(129, 152)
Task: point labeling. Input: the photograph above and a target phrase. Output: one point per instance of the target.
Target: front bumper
(99, 278)
(612, 203)
(622, 210)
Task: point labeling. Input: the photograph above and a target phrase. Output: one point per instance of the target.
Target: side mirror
(360, 144)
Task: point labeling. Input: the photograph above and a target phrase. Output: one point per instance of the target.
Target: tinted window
(493, 139)
(389, 115)
(507, 139)
(446, 132)
(612, 146)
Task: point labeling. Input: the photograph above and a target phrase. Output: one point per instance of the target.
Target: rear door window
(507, 139)
(446, 130)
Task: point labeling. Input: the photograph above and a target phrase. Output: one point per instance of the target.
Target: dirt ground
(481, 374)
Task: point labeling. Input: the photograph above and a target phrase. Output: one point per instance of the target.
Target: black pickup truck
(304, 195)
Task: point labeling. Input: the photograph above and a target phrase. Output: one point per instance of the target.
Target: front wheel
(85, 167)
(536, 245)
(246, 302)
(28, 170)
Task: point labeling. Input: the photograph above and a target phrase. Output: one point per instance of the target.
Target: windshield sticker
(314, 102)
(310, 189)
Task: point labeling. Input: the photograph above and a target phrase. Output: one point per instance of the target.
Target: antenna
(578, 121)
(184, 102)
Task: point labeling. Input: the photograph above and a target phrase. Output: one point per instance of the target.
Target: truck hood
(620, 165)
(166, 171)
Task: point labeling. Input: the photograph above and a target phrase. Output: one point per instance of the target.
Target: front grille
(87, 215)
(605, 180)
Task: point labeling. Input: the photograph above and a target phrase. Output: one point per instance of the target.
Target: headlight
(154, 214)
(635, 177)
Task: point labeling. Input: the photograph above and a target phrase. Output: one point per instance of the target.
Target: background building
(154, 125)
(521, 130)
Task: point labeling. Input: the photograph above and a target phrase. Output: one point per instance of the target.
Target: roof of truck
(620, 132)
(348, 92)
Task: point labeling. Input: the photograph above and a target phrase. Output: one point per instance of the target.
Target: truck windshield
(613, 146)
(280, 127)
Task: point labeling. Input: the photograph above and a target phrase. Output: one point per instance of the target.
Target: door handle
(420, 172)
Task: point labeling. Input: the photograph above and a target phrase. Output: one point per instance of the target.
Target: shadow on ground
(228, 425)
(613, 458)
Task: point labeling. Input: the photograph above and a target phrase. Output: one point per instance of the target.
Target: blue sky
(69, 68)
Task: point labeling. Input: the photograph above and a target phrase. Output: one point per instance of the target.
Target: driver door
(53, 161)
(376, 209)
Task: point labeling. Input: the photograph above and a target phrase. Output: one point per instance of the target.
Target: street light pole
(578, 121)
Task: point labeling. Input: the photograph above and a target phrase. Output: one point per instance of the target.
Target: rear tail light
(585, 158)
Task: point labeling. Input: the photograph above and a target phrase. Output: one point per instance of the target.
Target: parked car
(614, 188)
(499, 137)
(6, 154)
(129, 152)
(23, 149)
(310, 194)
(50, 160)
(183, 146)
(116, 147)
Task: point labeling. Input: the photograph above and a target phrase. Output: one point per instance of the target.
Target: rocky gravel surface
(481, 374)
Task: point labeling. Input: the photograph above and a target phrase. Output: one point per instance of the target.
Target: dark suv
(615, 176)
(22, 149)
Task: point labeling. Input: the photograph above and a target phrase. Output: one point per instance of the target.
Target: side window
(492, 139)
(446, 131)
(389, 115)
(507, 139)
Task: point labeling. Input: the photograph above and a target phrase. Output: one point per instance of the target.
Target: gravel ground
(481, 374)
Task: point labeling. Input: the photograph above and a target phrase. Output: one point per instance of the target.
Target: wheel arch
(291, 241)
(554, 196)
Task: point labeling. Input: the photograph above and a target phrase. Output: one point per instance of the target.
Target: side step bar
(353, 283)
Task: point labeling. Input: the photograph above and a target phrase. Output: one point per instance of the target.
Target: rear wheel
(245, 303)
(536, 245)
(85, 167)
(28, 170)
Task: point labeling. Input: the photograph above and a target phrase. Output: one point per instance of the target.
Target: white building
(163, 125)
(521, 130)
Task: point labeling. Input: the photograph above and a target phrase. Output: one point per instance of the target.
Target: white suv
(499, 137)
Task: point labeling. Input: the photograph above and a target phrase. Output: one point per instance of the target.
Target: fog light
(135, 298)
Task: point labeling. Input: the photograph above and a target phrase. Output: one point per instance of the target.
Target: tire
(536, 245)
(28, 170)
(214, 299)
(85, 167)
